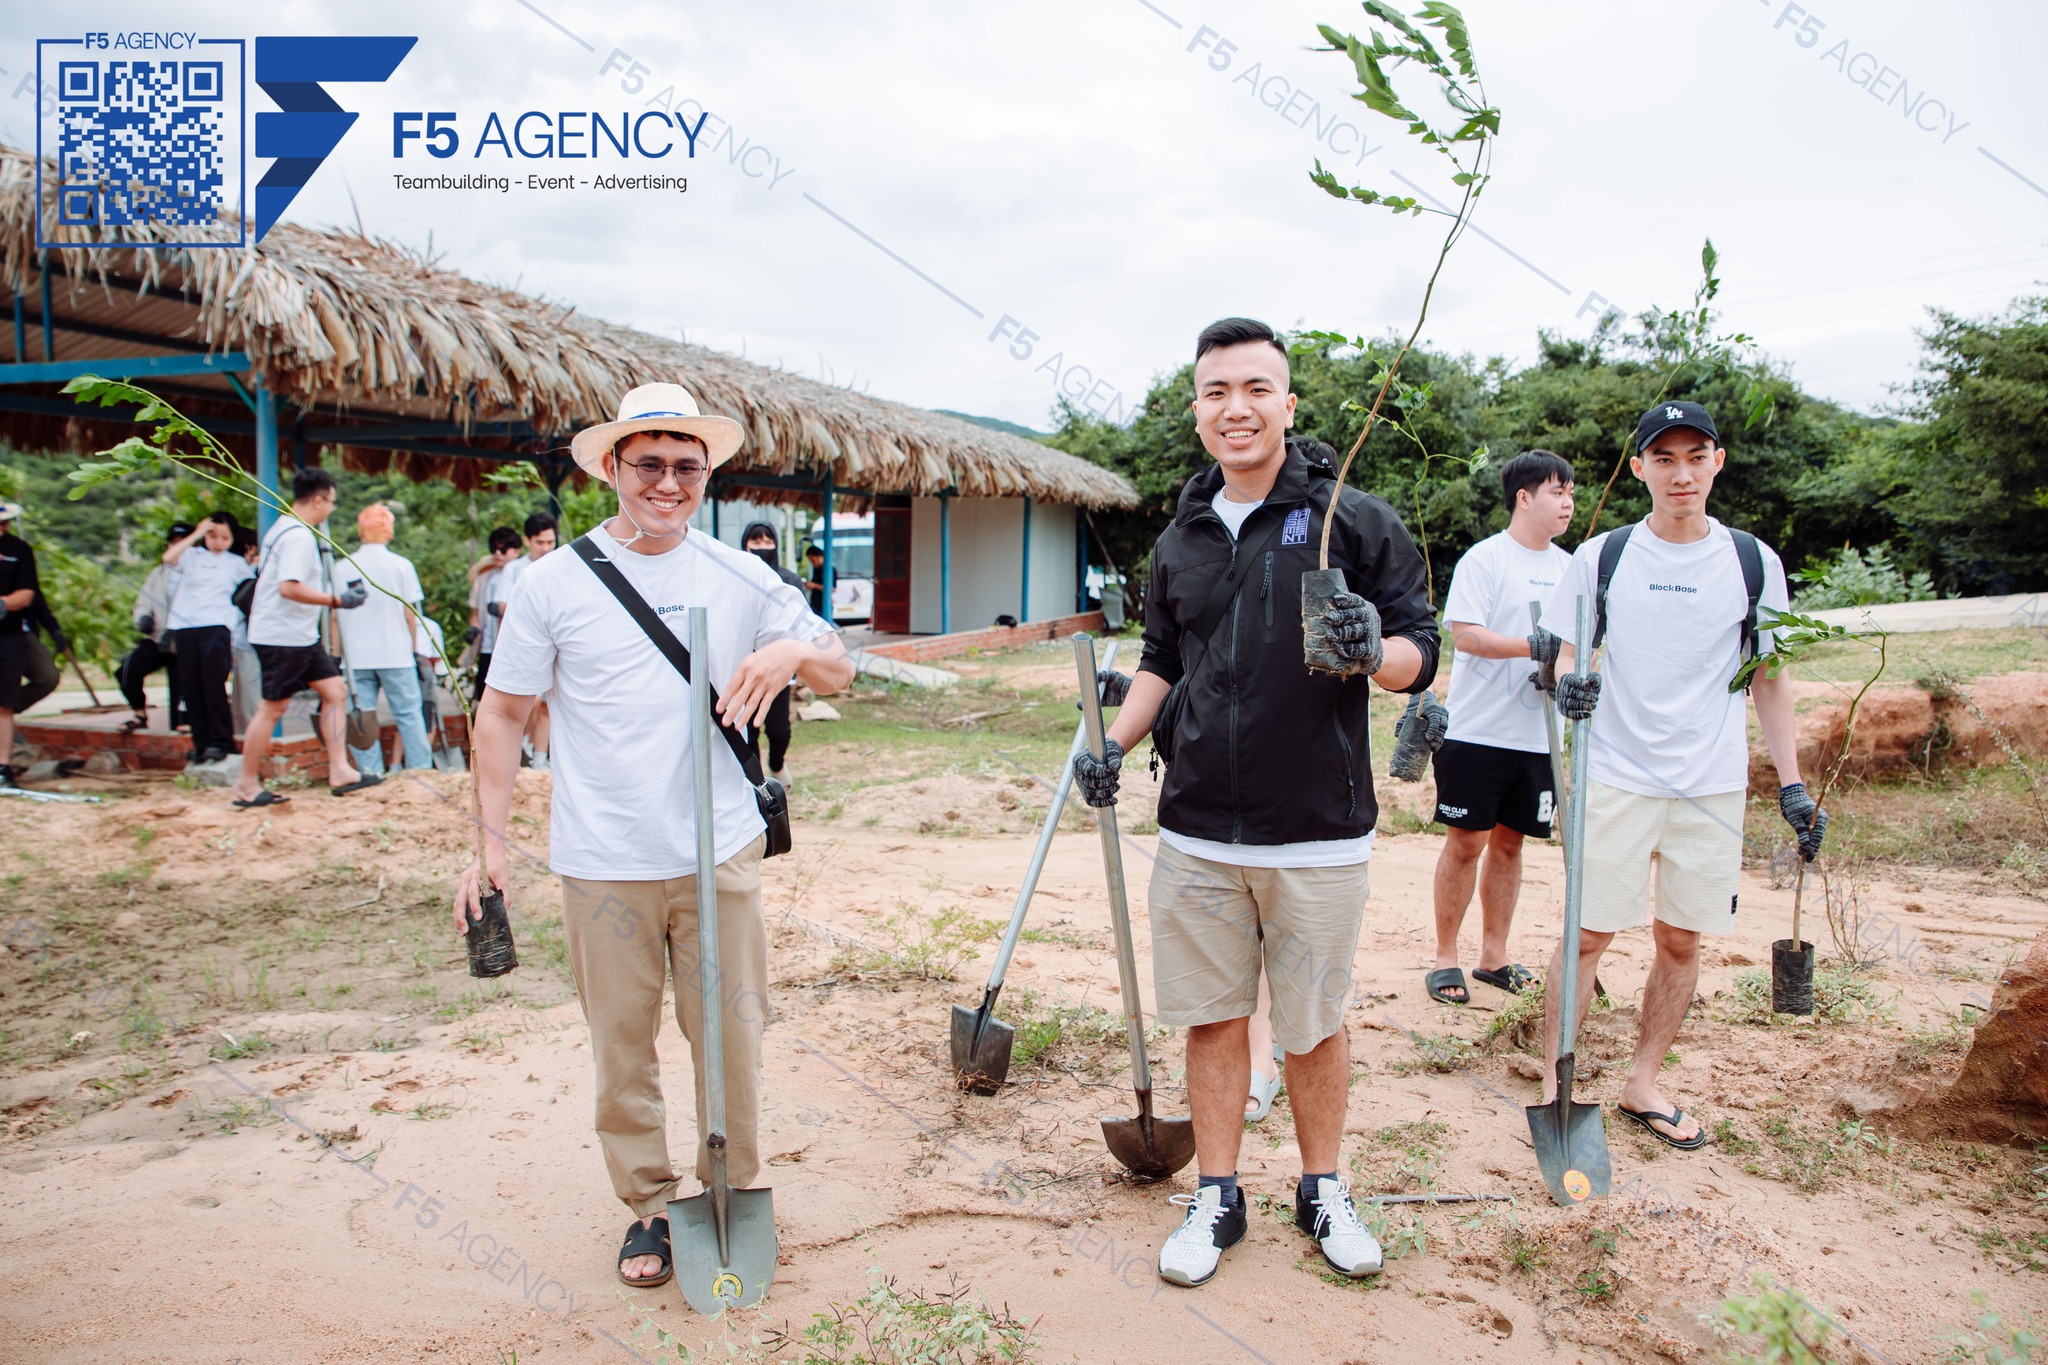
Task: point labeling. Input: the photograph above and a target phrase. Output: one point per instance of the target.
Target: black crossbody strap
(674, 650)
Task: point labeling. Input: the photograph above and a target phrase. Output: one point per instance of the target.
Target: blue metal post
(20, 331)
(714, 516)
(945, 563)
(49, 325)
(827, 612)
(1024, 608)
(266, 452)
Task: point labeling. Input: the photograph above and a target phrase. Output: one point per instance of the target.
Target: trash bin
(1113, 605)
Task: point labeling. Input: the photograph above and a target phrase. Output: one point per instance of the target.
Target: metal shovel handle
(1549, 704)
(1113, 871)
(1045, 833)
(710, 986)
(1574, 851)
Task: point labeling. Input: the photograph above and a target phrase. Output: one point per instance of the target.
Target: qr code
(141, 141)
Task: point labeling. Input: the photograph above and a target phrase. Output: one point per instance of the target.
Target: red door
(892, 566)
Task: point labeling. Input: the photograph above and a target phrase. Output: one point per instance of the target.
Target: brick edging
(993, 637)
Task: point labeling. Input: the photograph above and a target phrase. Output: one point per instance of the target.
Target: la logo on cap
(1674, 413)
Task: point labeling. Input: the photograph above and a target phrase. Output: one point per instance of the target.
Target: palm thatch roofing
(351, 331)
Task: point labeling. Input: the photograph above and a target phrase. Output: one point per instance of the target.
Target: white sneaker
(1333, 1222)
(1190, 1255)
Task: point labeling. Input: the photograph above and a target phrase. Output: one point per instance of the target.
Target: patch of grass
(1991, 1340)
(470, 1001)
(1517, 1024)
(887, 1325)
(920, 949)
(1841, 995)
(1441, 1053)
(239, 1113)
(1061, 934)
(1522, 1252)
(2028, 1250)
(1061, 1031)
(233, 1049)
(1731, 1141)
(1405, 1159)
(1598, 1284)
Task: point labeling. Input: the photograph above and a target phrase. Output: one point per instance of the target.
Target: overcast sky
(933, 169)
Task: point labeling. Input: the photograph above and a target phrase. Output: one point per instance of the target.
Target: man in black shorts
(18, 588)
(293, 586)
(1493, 785)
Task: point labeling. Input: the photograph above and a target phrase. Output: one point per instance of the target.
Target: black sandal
(1511, 978)
(1448, 979)
(1674, 1118)
(647, 1239)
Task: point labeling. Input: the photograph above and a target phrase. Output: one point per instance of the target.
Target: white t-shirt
(1304, 853)
(290, 553)
(624, 805)
(374, 635)
(1666, 724)
(490, 588)
(1491, 700)
(205, 584)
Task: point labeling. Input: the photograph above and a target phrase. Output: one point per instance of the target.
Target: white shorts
(1694, 843)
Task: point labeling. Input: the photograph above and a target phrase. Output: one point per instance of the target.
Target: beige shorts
(1215, 924)
(1693, 842)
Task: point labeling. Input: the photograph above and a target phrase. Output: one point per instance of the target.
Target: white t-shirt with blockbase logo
(1666, 723)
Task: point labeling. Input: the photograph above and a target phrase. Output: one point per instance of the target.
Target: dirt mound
(1911, 728)
(2002, 1093)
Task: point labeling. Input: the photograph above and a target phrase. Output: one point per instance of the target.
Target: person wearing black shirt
(759, 539)
(18, 592)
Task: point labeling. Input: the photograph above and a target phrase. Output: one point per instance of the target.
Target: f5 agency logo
(149, 128)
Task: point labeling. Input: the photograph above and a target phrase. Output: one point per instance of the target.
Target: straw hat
(656, 407)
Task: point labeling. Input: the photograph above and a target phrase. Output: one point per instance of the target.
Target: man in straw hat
(623, 836)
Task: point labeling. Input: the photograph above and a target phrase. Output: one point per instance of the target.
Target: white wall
(988, 561)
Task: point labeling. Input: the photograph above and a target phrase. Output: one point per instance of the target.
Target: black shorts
(290, 669)
(1479, 786)
(13, 663)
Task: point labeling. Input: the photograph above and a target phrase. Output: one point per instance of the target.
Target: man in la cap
(623, 826)
(1670, 746)
(18, 590)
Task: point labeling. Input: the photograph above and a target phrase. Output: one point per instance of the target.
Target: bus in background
(853, 565)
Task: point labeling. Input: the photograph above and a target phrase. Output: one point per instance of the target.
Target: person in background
(381, 642)
(247, 693)
(759, 540)
(504, 549)
(284, 626)
(18, 588)
(540, 540)
(814, 555)
(203, 614)
(39, 674)
(152, 619)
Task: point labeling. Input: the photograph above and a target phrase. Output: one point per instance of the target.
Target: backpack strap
(1610, 555)
(674, 650)
(1752, 560)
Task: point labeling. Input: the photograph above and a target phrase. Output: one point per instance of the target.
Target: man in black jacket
(1266, 818)
(19, 592)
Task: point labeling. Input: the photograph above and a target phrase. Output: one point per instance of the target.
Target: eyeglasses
(688, 473)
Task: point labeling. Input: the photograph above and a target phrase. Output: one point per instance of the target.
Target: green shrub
(1865, 578)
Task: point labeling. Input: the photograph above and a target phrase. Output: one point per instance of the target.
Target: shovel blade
(1571, 1144)
(1150, 1147)
(710, 1285)
(981, 1049)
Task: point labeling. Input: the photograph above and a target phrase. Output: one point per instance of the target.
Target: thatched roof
(347, 327)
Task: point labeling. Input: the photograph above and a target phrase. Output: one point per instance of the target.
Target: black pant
(483, 671)
(206, 660)
(776, 724)
(146, 658)
(39, 675)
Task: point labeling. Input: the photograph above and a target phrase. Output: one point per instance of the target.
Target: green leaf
(1456, 35)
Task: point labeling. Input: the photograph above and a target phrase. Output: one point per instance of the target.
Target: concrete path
(2018, 610)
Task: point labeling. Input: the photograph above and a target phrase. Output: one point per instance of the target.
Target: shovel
(447, 757)
(1148, 1147)
(1571, 1146)
(981, 1042)
(1557, 788)
(722, 1241)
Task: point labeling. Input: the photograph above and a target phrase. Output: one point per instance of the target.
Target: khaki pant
(623, 937)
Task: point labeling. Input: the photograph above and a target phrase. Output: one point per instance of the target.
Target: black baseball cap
(1665, 416)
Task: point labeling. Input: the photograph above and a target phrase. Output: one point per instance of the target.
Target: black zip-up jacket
(1266, 752)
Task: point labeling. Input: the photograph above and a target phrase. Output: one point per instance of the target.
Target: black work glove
(1578, 694)
(1115, 686)
(1543, 647)
(147, 626)
(1352, 626)
(353, 595)
(495, 610)
(470, 635)
(1097, 776)
(60, 639)
(1808, 820)
(1418, 734)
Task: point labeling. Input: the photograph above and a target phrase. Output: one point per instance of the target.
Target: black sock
(1226, 1183)
(1305, 1192)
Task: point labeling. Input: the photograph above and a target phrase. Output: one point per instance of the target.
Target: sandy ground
(406, 1171)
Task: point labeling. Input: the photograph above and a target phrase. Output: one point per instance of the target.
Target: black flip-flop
(360, 784)
(648, 1239)
(1448, 978)
(1674, 1118)
(1511, 978)
(264, 798)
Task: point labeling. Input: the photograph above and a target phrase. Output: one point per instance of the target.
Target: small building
(317, 345)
